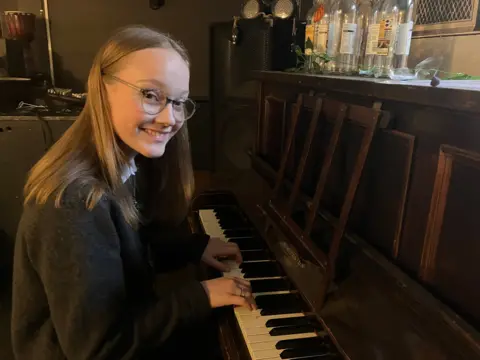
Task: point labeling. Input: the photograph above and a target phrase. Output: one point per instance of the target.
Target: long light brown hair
(90, 154)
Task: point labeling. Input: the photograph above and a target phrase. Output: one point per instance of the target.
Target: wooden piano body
(366, 195)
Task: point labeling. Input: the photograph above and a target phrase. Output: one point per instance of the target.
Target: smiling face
(156, 71)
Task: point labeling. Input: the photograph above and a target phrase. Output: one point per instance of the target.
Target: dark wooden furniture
(366, 192)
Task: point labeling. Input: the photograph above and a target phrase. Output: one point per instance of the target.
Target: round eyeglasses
(155, 100)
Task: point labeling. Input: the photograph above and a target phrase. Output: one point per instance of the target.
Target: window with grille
(446, 16)
(442, 11)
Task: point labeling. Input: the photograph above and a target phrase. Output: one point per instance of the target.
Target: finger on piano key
(281, 328)
(232, 264)
(269, 310)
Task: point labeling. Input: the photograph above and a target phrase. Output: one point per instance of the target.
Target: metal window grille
(431, 12)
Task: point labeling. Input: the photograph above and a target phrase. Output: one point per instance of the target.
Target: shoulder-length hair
(90, 153)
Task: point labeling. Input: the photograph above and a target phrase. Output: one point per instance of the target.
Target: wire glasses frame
(154, 101)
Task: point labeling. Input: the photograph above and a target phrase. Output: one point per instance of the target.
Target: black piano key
(318, 357)
(255, 255)
(232, 225)
(302, 352)
(269, 285)
(314, 342)
(290, 330)
(230, 218)
(260, 269)
(279, 304)
(226, 210)
(241, 233)
(300, 320)
(248, 243)
(278, 299)
(268, 311)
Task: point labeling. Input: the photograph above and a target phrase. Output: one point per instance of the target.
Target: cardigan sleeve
(169, 249)
(78, 257)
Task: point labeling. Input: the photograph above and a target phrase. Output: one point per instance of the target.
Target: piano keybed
(282, 327)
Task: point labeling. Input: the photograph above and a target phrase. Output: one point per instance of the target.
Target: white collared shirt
(129, 171)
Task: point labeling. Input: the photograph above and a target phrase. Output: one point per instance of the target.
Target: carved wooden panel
(451, 250)
(380, 203)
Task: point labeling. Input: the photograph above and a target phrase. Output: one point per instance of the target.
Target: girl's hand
(219, 248)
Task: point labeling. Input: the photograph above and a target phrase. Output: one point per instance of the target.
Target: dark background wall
(8, 5)
(80, 27)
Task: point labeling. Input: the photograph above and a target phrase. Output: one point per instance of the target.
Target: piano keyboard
(282, 327)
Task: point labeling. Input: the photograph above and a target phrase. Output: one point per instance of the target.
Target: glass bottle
(309, 37)
(321, 21)
(351, 37)
(335, 16)
(404, 35)
(370, 45)
(387, 24)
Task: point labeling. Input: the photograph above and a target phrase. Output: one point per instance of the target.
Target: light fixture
(250, 9)
(283, 9)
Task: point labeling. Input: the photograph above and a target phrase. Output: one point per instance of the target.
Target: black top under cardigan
(83, 286)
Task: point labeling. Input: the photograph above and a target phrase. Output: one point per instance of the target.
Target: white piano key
(210, 223)
(270, 345)
(261, 321)
(207, 215)
(279, 292)
(252, 316)
(260, 344)
(254, 331)
(267, 354)
(268, 338)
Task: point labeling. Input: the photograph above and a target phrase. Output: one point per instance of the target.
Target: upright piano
(358, 221)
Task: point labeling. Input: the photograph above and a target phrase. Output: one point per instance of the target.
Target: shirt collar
(130, 170)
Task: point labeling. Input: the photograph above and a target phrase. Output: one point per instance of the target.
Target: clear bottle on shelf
(351, 37)
(369, 47)
(321, 21)
(335, 17)
(404, 34)
(310, 37)
(387, 36)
